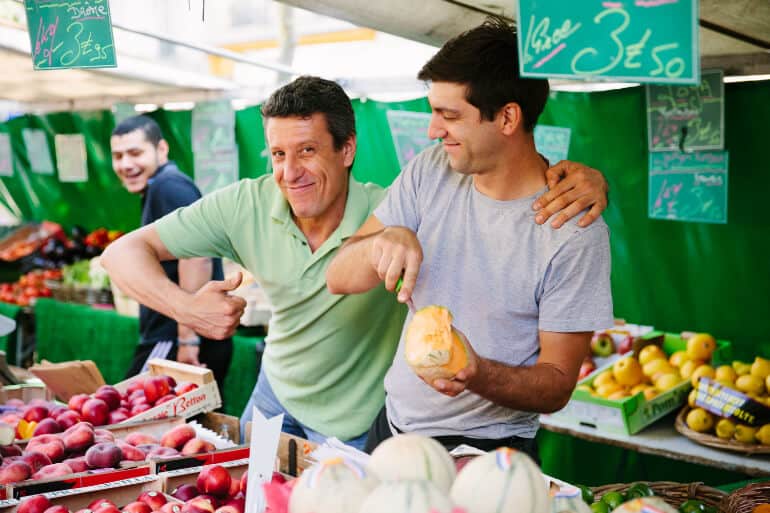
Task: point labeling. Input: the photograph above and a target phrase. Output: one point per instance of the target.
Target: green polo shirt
(326, 355)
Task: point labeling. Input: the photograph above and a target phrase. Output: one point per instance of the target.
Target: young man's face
(135, 159)
(312, 175)
(469, 141)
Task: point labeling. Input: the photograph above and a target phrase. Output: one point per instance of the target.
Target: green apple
(602, 344)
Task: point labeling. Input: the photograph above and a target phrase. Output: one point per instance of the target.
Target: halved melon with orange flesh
(432, 347)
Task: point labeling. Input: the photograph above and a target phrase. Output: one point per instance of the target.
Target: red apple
(214, 480)
(626, 344)
(185, 492)
(35, 413)
(137, 438)
(109, 395)
(171, 507)
(57, 508)
(76, 402)
(232, 506)
(244, 482)
(46, 427)
(95, 411)
(184, 387)
(204, 503)
(53, 470)
(137, 507)
(178, 436)
(103, 455)
(34, 504)
(153, 499)
(586, 368)
(155, 388)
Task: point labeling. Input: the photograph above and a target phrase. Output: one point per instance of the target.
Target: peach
(78, 437)
(103, 455)
(53, 470)
(160, 453)
(50, 445)
(105, 433)
(178, 436)
(68, 419)
(36, 460)
(47, 426)
(10, 450)
(77, 464)
(196, 446)
(35, 413)
(16, 471)
(130, 452)
(137, 438)
(185, 492)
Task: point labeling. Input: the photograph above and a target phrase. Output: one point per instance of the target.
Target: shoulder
(371, 191)
(574, 236)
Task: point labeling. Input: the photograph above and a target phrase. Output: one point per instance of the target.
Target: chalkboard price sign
(689, 186)
(409, 131)
(70, 34)
(687, 117)
(639, 40)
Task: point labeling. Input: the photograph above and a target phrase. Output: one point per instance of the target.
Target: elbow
(557, 402)
(107, 257)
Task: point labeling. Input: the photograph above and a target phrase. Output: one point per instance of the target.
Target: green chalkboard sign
(409, 131)
(638, 40)
(687, 117)
(689, 186)
(70, 34)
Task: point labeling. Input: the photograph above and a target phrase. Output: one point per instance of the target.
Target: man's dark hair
(148, 126)
(308, 95)
(485, 59)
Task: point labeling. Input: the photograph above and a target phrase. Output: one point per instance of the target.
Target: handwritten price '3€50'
(542, 44)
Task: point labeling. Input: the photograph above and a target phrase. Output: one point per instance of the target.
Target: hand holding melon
(439, 353)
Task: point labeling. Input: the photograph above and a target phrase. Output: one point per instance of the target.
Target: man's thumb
(230, 283)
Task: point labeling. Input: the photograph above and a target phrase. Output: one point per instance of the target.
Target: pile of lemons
(652, 372)
(753, 379)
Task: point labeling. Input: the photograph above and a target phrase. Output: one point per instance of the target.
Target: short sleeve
(399, 207)
(576, 294)
(203, 229)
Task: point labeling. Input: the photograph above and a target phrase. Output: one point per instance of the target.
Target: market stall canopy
(84, 89)
(735, 36)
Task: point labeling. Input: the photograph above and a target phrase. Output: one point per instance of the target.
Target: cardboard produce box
(69, 378)
(120, 492)
(632, 414)
(25, 392)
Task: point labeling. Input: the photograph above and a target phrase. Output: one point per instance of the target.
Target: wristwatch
(195, 340)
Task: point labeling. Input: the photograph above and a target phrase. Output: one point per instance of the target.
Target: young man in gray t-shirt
(457, 225)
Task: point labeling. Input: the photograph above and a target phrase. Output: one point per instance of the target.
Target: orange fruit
(627, 371)
(761, 508)
(700, 346)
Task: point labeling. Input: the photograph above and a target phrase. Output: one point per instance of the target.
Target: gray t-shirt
(502, 276)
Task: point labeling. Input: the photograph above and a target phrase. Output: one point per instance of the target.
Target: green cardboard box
(632, 414)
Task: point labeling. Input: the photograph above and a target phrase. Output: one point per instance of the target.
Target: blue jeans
(264, 399)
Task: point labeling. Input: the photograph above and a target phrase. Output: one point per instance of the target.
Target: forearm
(135, 268)
(193, 274)
(540, 388)
(350, 272)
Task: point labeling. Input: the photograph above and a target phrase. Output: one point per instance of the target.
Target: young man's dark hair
(146, 124)
(306, 96)
(485, 59)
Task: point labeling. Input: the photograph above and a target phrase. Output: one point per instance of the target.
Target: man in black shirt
(140, 159)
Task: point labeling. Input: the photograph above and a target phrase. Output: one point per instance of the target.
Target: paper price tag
(265, 435)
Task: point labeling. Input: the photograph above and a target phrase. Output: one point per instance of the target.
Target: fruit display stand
(629, 415)
(714, 441)
(120, 492)
(77, 481)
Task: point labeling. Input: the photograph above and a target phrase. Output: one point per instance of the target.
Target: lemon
(701, 346)
(691, 398)
(668, 381)
(641, 387)
(745, 434)
(700, 420)
(620, 394)
(608, 389)
(678, 358)
(741, 368)
(656, 366)
(725, 429)
(650, 393)
(763, 435)
(650, 353)
(604, 378)
(760, 368)
(689, 367)
(627, 371)
(725, 373)
(750, 384)
(704, 371)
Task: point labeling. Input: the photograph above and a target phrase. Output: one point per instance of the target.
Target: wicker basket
(673, 493)
(745, 499)
(713, 440)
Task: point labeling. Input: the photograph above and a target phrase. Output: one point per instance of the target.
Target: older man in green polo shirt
(326, 355)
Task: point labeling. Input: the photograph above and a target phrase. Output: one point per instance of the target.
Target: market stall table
(661, 439)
